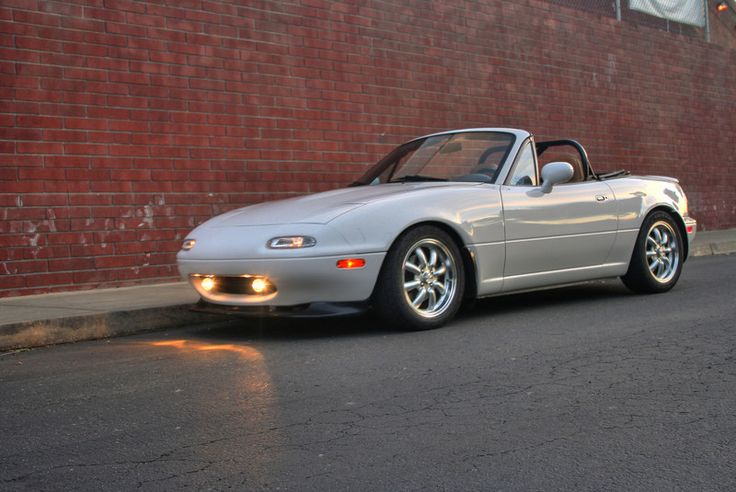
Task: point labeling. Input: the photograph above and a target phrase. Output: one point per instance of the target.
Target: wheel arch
(679, 221)
(471, 285)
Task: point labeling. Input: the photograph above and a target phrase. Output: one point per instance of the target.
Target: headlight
(188, 244)
(291, 242)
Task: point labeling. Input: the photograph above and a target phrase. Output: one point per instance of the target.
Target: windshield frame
(392, 159)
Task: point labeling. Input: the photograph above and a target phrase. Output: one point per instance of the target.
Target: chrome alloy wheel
(663, 256)
(430, 278)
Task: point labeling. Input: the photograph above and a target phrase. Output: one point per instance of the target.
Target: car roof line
(517, 132)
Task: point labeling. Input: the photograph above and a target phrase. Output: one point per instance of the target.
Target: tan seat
(578, 174)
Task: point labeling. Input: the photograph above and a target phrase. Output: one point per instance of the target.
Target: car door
(555, 237)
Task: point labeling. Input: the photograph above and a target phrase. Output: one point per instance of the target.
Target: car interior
(566, 151)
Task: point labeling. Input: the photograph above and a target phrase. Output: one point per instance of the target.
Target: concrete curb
(708, 249)
(93, 327)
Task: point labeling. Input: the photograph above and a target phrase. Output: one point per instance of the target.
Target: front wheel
(656, 263)
(422, 280)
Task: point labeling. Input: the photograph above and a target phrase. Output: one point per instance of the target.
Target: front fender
(472, 211)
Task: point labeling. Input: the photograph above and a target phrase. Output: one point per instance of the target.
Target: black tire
(392, 299)
(658, 246)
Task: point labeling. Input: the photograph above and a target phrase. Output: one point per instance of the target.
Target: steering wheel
(475, 178)
(489, 171)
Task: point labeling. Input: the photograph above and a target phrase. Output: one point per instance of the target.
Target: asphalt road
(586, 387)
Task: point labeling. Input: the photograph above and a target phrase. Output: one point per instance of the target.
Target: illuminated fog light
(188, 244)
(291, 242)
(259, 285)
(350, 263)
(208, 283)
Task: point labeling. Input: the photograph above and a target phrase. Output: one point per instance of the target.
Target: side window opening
(568, 151)
(525, 169)
(567, 154)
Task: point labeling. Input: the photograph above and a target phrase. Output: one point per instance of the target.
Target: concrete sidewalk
(46, 319)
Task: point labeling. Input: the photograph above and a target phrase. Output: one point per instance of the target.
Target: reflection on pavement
(232, 381)
(247, 352)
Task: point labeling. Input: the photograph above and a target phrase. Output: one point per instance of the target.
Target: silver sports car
(445, 217)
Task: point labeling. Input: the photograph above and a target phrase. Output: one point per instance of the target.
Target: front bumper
(315, 310)
(297, 280)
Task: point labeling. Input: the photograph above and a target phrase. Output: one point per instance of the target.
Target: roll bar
(542, 146)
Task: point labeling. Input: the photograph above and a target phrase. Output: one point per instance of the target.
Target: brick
(118, 261)
(65, 161)
(85, 74)
(18, 81)
(131, 175)
(71, 264)
(93, 277)
(128, 126)
(60, 8)
(69, 238)
(47, 279)
(62, 85)
(23, 134)
(107, 88)
(37, 148)
(28, 17)
(44, 200)
(64, 186)
(104, 14)
(109, 137)
(85, 123)
(39, 174)
(85, 149)
(27, 267)
(111, 187)
(90, 224)
(65, 135)
(126, 5)
(129, 78)
(109, 64)
(90, 250)
(85, 49)
(74, 174)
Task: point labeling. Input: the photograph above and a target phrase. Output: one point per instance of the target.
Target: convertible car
(450, 216)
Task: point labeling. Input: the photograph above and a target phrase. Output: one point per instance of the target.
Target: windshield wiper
(416, 177)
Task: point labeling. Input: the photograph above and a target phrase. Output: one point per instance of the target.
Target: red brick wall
(124, 124)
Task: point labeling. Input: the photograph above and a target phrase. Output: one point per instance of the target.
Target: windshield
(469, 156)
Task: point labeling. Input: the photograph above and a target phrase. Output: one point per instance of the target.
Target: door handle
(601, 198)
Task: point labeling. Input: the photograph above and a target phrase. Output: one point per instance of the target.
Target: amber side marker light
(722, 7)
(350, 263)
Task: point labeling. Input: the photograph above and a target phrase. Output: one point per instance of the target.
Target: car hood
(319, 208)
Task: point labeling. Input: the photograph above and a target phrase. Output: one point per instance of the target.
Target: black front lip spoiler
(314, 310)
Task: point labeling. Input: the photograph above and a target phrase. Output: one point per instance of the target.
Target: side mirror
(555, 173)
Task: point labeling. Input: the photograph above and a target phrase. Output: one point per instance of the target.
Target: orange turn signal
(351, 263)
(722, 7)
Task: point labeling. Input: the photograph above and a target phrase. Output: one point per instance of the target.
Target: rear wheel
(422, 280)
(656, 263)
